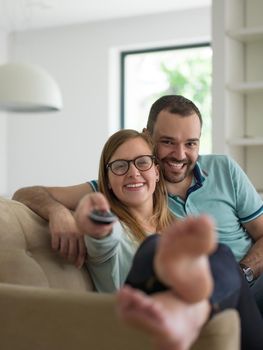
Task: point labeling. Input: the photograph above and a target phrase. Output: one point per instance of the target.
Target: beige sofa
(48, 304)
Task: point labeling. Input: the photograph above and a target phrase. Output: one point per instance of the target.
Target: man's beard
(174, 176)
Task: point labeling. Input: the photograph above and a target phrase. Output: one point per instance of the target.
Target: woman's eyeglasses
(121, 166)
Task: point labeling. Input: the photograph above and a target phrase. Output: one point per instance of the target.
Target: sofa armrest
(26, 257)
(52, 319)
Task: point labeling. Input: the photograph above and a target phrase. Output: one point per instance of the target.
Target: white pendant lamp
(28, 88)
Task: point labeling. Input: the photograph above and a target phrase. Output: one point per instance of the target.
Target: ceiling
(17, 15)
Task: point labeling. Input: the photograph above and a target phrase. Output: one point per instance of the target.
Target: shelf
(246, 86)
(246, 141)
(238, 84)
(246, 34)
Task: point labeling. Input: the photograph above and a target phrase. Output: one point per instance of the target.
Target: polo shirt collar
(199, 173)
(199, 178)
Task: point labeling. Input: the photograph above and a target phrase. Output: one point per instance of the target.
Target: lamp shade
(28, 88)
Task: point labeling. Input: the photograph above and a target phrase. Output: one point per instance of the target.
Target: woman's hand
(89, 203)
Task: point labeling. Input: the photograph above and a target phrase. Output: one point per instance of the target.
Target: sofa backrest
(26, 257)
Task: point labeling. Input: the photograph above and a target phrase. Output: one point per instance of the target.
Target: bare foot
(172, 323)
(181, 260)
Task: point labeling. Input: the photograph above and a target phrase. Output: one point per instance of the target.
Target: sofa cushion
(26, 256)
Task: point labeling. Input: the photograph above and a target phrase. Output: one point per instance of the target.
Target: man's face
(177, 139)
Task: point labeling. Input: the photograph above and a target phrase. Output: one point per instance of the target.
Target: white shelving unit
(246, 35)
(238, 83)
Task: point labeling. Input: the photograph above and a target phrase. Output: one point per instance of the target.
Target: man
(210, 184)
(196, 184)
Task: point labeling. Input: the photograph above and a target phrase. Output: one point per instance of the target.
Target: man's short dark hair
(176, 104)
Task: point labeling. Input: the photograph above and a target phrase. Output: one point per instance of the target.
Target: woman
(137, 197)
(132, 187)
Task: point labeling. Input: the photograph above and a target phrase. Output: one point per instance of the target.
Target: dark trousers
(256, 288)
(230, 288)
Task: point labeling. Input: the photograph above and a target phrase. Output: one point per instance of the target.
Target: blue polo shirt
(221, 189)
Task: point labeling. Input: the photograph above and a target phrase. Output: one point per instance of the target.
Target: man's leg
(231, 291)
(256, 289)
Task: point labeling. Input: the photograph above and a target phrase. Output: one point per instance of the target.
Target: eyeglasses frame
(129, 161)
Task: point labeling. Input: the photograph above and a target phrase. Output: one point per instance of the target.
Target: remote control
(102, 217)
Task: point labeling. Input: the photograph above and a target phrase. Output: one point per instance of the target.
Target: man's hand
(66, 237)
(55, 204)
(254, 257)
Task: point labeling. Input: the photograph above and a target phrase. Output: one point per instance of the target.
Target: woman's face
(135, 187)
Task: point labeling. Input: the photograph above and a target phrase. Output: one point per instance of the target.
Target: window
(148, 74)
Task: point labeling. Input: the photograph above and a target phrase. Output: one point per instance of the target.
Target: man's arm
(254, 257)
(41, 199)
(55, 205)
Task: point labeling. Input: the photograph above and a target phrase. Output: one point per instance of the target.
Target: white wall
(3, 129)
(64, 148)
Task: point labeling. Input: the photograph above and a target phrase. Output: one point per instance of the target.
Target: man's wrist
(248, 272)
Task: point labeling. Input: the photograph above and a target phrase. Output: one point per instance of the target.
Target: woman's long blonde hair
(162, 216)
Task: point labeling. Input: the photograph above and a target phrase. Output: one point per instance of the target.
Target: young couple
(176, 126)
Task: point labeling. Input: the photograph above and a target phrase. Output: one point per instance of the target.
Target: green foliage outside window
(183, 71)
(192, 79)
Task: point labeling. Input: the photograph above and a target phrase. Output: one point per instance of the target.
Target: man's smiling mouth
(176, 165)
